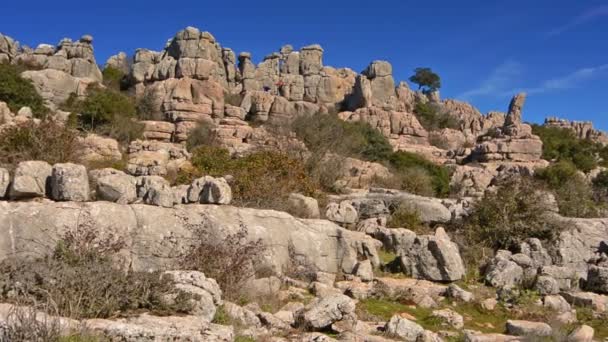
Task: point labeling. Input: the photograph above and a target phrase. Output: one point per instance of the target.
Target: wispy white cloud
(503, 81)
(583, 18)
(500, 78)
(569, 81)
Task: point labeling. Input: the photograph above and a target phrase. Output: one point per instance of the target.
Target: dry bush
(80, 280)
(201, 135)
(415, 180)
(403, 215)
(231, 262)
(262, 179)
(26, 324)
(48, 141)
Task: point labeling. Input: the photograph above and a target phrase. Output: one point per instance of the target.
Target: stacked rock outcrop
(513, 142)
(56, 71)
(581, 129)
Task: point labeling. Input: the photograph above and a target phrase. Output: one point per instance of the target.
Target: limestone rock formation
(513, 142)
(152, 233)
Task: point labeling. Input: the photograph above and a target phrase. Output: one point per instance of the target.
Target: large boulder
(303, 206)
(433, 257)
(322, 313)
(69, 182)
(155, 190)
(32, 179)
(528, 329)
(342, 212)
(119, 188)
(153, 234)
(210, 190)
(431, 210)
(503, 272)
(205, 291)
(56, 86)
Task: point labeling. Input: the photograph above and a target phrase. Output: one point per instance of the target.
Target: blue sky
(485, 51)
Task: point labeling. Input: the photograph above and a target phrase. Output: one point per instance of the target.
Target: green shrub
(558, 174)
(263, 179)
(561, 144)
(402, 161)
(415, 180)
(107, 112)
(574, 195)
(48, 141)
(323, 133)
(114, 79)
(18, 92)
(432, 117)
(512, 213)
(600, 186)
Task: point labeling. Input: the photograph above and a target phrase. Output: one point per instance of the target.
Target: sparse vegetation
(323, 133)
(80, 280)
(432, 117)
(48, 141)
(231, 263)
(402, 161)
(573, 193)
(416, 180)
(405, 216)
(202, 135)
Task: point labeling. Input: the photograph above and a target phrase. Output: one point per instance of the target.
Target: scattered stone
(489, 304)
(450, 318)
(546, 285)
(454, 291)
(403, 328)
(528, 329)
(556, 303)
(584, 333)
